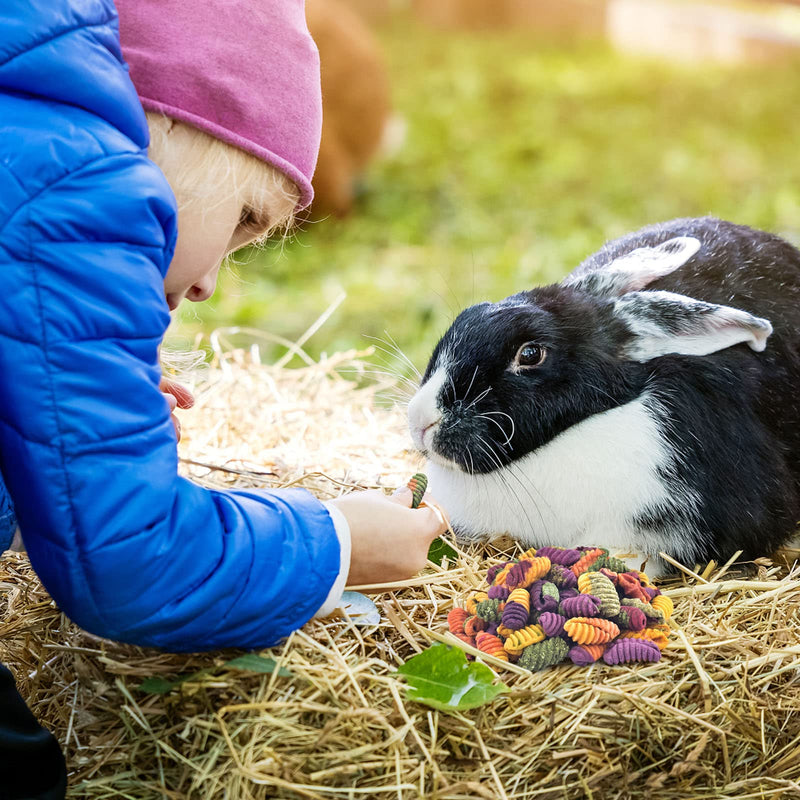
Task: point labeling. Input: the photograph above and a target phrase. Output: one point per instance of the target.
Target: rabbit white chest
(589, 485)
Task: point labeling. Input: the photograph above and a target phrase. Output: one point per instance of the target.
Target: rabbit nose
(423, 439)
(424, 414)
(423, 418)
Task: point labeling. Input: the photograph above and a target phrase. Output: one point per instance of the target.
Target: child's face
(205, 238)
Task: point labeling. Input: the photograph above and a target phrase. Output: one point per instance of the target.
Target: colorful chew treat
(487, 643)
(418, 484)
(579, 604)
(601, 587)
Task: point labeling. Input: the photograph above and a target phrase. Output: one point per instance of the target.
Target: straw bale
(718, 717)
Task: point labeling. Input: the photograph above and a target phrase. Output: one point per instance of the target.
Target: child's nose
(202, 290)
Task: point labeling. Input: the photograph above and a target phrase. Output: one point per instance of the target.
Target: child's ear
(663, 323)
(636, 269)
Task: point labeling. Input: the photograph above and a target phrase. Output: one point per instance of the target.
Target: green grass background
(522, 156)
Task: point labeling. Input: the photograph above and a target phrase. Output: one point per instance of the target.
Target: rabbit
(647, 403)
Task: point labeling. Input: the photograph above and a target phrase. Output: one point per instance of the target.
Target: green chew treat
(649, 611)
(544, 654)
(418, 484)
(616, 564)
(490, 610)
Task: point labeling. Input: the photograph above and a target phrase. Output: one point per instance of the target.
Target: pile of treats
(554, 604)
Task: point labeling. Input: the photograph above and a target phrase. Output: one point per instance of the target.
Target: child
(129, 550)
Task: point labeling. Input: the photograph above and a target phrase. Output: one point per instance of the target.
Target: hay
(718, 717)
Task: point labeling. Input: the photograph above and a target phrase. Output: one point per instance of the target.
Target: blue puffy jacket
(127, 549)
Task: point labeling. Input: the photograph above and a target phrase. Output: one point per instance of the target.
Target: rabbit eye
(530, 355)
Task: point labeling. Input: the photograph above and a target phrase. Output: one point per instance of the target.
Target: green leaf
(156, 685)
(441, 677)
(439, 549)
(163, 686)
(253, 662)
(249, 662)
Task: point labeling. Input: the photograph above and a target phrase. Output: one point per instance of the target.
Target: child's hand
(178, 397)
(389, 539)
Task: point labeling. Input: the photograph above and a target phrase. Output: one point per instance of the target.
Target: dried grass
(718, 717)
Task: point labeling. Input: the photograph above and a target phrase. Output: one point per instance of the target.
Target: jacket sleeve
(128, 549)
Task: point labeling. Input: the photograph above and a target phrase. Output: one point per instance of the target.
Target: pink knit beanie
(244, 71)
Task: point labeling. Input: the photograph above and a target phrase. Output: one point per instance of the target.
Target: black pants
(31, 764)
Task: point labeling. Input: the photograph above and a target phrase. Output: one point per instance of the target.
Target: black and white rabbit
(643, 404)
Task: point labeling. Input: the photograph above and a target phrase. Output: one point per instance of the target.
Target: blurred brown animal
(355, 103)
(563, 16)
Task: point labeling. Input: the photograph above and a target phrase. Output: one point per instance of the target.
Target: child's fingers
(411, 494)
(430, 518)
(402, 496)
(436, 522)
(184, 398)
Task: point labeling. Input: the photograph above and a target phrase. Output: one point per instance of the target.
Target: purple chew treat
(567, 593)
(516, 575)
(631, 619)
(492, 629)
(552, 624)
(580, 656)
(584, 605)
(562, 576)
(535, 590)
(515, 616)
(622, 651)
(546, 597)
(491, 574)
(499, 592)
(651, 591)
(559, 555)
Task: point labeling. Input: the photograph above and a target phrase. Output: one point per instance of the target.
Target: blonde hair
(202, 169)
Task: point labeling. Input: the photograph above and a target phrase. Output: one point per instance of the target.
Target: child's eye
(247, 219)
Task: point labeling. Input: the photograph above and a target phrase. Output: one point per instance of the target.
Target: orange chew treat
(470, 640)
(596, 650)
(651, 634)
(521, 596)
(587, 653)
(456, 618)
(500, 578)
(586, 561)
(539, 567)
(663, 604)
(590, 630)
(661, 626)
(488, 643)
(475, 624)
(524, 573)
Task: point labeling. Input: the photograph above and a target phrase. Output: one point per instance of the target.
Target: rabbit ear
(636, 269)
(663, 322)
